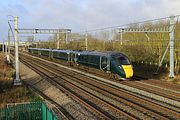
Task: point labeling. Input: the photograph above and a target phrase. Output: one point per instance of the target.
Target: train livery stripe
(128, 70)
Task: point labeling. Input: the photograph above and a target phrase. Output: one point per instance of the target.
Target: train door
(71, 57)
(104, 63)
(49, 54)
(39, 52)
(68, 57)
(75, 58)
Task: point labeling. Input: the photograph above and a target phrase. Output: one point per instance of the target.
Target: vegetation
(8, 93)
(142, 48)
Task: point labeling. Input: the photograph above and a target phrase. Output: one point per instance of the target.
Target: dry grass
(149, 71)
(8, 93)
(176, 80)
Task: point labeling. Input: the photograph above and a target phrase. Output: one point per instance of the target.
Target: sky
(80, 15)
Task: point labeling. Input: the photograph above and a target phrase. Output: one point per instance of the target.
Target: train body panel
(33, 51)
(66, 55)
(60, 55)
(113, 62)
(88, 60)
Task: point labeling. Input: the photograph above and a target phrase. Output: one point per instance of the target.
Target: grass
(9, 93)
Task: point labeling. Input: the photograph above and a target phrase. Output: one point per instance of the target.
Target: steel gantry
(18, 31)
(45, 31)
(167, 29)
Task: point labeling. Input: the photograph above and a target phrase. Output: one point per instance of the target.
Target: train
(111, 62)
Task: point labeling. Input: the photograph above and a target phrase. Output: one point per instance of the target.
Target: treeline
(139, 47)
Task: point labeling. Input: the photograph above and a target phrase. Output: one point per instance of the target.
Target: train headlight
(120, 67)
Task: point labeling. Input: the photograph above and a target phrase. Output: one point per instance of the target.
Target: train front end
(128, 70)
(122, 66)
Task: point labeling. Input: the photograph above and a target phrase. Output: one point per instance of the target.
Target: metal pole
(66, 36)
(9, 41)
(171, 43)
(6, 49)
(86, 40)
(17, 80)
(34, 37)
(39, 44)
(121, 36)
(8, 54)
(160, 63)
(147, 36)
(57, 40)
(3, 47)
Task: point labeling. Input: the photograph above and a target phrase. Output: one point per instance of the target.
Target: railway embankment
(119, 95)
(9, 93)
(59, 102)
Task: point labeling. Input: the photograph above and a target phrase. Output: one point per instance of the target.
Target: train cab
(121, 65)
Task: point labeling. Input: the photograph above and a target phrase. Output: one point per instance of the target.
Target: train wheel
(116, 77)
(72, 64)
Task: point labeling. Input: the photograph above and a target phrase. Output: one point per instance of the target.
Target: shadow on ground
(149, 71)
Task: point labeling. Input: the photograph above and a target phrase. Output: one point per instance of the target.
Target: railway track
(58, 109)
(163, 84)
(168, 87)
(89, 103)
(153, 89)
(111, 93)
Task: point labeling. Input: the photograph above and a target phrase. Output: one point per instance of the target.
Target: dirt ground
(9, 93)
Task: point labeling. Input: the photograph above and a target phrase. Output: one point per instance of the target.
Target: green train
(114, 62)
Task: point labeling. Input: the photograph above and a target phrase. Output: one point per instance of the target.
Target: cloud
(85, 14)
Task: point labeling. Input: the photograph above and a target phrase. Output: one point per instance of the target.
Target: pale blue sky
(82, 14)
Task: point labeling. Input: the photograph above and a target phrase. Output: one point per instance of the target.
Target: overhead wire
(99, 29)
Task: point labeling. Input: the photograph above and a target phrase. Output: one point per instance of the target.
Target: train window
(79, 57)
(93, 60)
(104, 61)
(85, 57)
(123, 60)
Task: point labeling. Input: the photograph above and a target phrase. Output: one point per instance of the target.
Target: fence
(27, 111)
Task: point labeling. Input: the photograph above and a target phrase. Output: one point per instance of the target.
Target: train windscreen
(123, 60)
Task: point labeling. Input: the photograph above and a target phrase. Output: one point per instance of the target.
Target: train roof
(45, 49)
(32, 48)
(92, 53)
(40, 49)
(112, 53)
(68, 51)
